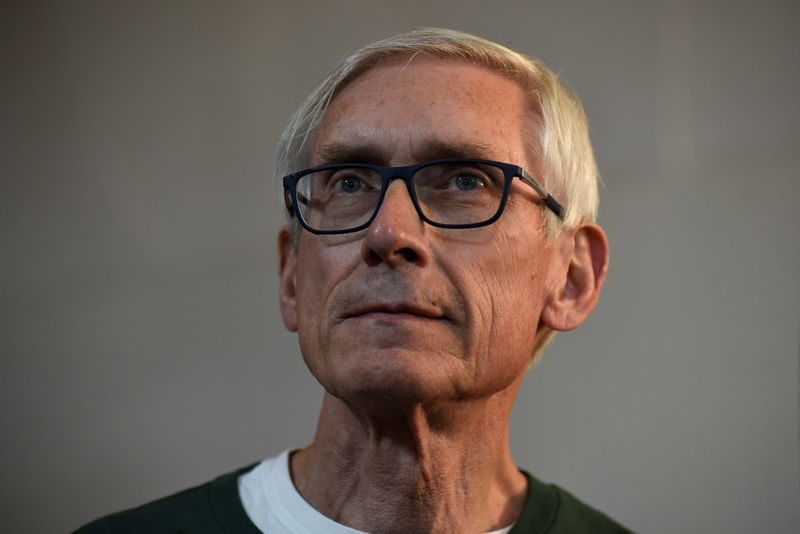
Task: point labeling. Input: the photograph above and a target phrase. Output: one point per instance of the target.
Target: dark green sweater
(215, 507)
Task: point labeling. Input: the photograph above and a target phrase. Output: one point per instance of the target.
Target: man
(442, 192)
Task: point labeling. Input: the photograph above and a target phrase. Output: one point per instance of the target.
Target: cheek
(307, 318)
(507, 292)
(502, 308)
(312, 286)
(515, 269)
(320, 270)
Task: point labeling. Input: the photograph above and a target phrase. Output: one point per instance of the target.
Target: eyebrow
(437, 149)
(342, 153)
(429, 150)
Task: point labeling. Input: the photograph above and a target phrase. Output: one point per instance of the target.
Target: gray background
(142, 349)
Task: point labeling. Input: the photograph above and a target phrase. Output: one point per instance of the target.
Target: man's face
(404, 312)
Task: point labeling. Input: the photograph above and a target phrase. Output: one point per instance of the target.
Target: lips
(398, 308)
(388, 295)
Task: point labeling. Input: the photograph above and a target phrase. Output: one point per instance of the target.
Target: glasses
(447, 193)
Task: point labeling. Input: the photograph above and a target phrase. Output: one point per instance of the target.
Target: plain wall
(142, 348)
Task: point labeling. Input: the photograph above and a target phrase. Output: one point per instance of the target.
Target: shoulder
(213, 507)
(576, 516)
(553, 510)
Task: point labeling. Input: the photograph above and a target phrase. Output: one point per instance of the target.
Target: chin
(385, 380)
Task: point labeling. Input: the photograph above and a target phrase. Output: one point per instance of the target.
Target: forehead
(424, 108)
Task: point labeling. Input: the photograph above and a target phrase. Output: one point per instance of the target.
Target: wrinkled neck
(438, 468)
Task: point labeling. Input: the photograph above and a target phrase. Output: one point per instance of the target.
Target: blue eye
(350, 184)
(466, 182)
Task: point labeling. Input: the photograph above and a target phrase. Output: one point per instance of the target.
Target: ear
(287, 269)
(577, 288)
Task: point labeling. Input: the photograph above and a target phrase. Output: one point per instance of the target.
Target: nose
(396, 234)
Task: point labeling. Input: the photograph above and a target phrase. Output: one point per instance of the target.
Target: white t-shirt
(274, 506)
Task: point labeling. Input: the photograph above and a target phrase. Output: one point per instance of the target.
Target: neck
(420, 469)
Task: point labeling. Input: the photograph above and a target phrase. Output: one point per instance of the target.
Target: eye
(350, 181)
(466, 182)
(349, 184)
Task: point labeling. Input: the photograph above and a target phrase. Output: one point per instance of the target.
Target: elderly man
(442, 193)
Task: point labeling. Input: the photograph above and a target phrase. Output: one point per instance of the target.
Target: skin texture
(421, 336)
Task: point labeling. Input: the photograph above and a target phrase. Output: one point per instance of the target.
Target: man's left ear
(584, 250)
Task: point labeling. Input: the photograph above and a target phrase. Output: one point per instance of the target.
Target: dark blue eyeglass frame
(406, 174)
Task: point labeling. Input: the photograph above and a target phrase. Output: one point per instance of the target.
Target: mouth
(394, 310)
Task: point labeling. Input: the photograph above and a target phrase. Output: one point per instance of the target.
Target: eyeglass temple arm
(549, 201)
(287, 199)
